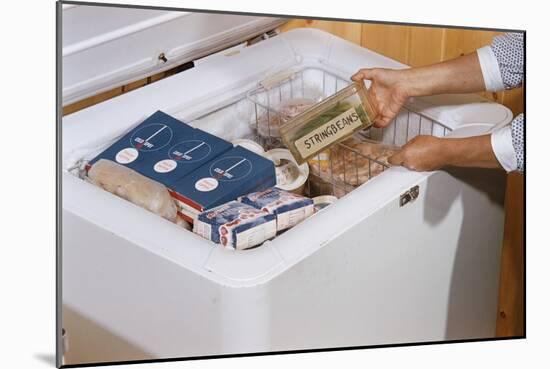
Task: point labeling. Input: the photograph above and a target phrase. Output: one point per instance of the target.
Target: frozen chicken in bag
(134, 187)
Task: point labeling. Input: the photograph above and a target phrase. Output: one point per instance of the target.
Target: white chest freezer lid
(106, 47)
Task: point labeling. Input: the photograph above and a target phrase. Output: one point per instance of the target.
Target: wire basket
(344, 166)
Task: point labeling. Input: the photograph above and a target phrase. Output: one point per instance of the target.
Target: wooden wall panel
(388, 40)
(513, 99)
(426, 46)
(92, 100)
(511, 310)
(463, 41)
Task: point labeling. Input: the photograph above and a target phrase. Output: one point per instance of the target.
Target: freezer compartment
(250, 115)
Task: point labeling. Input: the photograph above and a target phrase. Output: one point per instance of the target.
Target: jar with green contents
(328, 122)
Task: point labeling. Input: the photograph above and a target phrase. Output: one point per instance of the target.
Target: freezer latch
(409, 196)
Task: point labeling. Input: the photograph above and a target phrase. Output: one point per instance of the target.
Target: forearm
(474, 151)
(460, 75)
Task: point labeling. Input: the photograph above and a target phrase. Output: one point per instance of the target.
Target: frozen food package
(134, 187)
(235, 173)
(328, 122)
(236, 225)
(289, 208)
(353, 161)
(164, 148)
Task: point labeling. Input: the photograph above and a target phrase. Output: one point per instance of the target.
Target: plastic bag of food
(134, 187)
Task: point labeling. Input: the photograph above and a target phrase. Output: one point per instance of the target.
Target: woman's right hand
(387, 93)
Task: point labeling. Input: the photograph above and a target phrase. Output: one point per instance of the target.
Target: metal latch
(409, 195)
(264, 36)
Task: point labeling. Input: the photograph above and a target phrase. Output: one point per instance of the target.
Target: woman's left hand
(422, 153)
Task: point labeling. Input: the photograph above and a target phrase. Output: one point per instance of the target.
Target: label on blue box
(164, 149)
(234, 173)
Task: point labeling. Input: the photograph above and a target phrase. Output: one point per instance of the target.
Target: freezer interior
(239, 117)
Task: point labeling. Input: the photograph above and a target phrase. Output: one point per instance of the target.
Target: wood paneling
(391, 41)
(513, 99)
(132, 86)
(463, 41)
(426, 46)
(79, 105)
(511, 311)
(89, 101)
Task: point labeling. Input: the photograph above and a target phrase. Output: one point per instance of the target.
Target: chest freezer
(404, 257)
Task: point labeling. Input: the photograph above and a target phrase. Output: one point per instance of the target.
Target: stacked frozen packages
(236, 225)
(234, 173)
(256, 217)
(164, 149)
(201, 171)
(288, 208)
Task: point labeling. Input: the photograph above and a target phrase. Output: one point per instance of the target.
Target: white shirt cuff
(490, 69)
(501, 141)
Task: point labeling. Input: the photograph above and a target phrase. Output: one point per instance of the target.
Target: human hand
(387, 92)
(422, 153)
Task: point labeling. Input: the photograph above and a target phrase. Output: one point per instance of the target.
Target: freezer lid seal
(107, 47)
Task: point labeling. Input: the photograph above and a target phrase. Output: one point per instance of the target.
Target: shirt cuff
(501, 141)
(490, 69)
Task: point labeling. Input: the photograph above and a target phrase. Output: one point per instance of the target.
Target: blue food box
(164, 149)
(289, 208)
(236, 225)
(232, 174)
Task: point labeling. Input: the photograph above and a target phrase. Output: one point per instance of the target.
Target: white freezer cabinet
(405, 257)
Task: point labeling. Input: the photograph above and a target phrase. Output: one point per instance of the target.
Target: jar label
(335, 129)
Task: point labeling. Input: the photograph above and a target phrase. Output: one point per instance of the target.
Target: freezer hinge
(409, 196)
(264, 36)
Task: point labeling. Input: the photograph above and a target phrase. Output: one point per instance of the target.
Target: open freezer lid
(106, 47)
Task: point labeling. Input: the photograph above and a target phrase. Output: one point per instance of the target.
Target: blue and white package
(236, 225)
(164, 149)
(289, 208)
(234, 173)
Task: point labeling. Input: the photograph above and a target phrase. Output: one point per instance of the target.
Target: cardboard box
(289, 208)
(164, 149)
(234, 173)
(236, 225)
